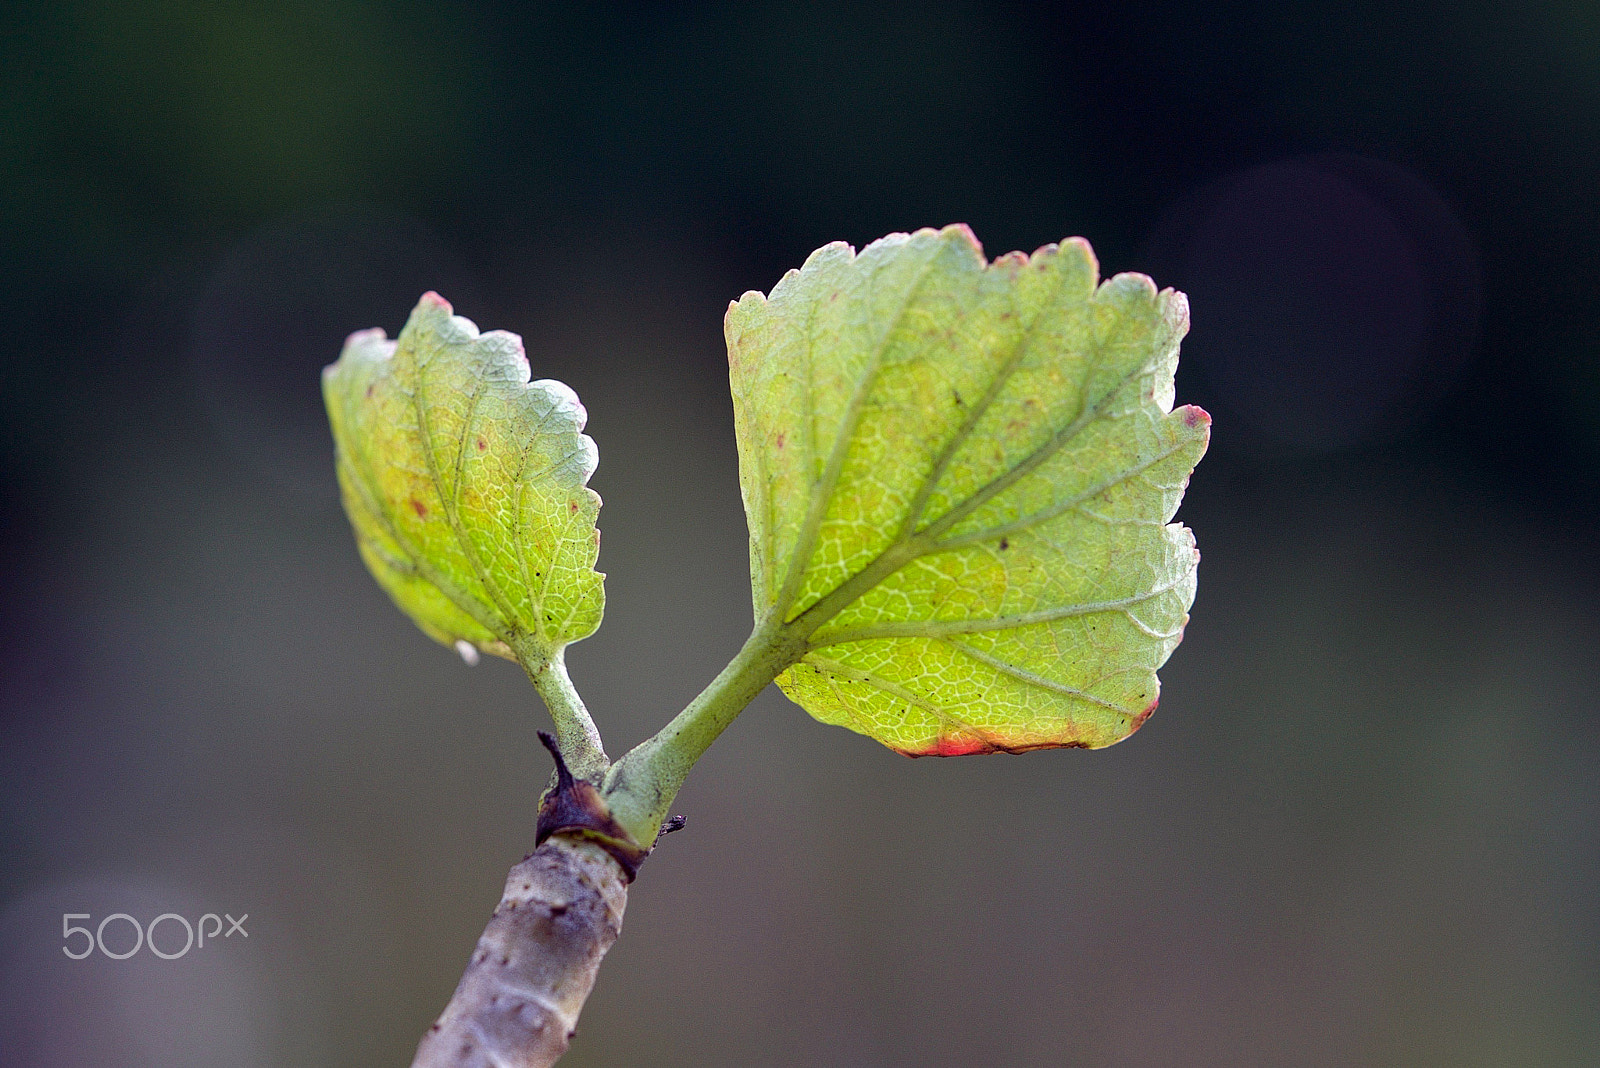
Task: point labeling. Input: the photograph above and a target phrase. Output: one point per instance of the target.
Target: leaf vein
(822, 491)
(979, 410)
(1059, 508)
(1004, 481)
(430, 456)
(1029, 677)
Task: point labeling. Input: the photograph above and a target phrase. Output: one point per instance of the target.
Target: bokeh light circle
(1335, 298)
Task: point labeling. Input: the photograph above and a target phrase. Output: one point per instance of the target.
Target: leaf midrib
(822, 495)
(992, 393)
(925, 541)
(425, 431)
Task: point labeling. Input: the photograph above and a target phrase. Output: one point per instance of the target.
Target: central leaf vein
(822, 494)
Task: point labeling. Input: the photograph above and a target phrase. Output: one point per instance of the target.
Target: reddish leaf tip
(963, 231)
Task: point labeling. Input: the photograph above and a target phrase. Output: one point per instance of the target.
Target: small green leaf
(466, 485)
(958, 477)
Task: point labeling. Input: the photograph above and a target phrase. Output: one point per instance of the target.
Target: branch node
(574, 807)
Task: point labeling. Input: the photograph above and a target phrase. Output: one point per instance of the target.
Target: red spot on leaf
(1138, 721)
(969, 745)
(482, 444)
(572, 506)
(419, 508)
(956, 746)
(781, 439)
(1194, 415)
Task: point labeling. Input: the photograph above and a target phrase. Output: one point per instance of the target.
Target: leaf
(958, 477)
(466, 485)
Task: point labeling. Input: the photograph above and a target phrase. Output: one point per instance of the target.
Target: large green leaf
(466, 485)
(961, 474)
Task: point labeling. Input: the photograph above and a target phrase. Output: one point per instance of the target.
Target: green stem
(640, 787)
(576, 733)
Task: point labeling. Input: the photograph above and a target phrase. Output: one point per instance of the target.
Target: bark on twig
(517, 1004)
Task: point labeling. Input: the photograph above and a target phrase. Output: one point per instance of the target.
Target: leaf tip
(956, 233)
(1079, 246)
(749, 299)
(1195, 416)
(963, 232)
(364, 337)
(832, 250)
(1175, 306)
(434, 299)
(1139, 281)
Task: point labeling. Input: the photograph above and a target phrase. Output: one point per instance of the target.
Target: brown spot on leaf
(482, 444)
(1005, 543)
(781, 439)
(370, 387)
(419, 508)
(572, 506)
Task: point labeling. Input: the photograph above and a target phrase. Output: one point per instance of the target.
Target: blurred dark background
(1364, 828)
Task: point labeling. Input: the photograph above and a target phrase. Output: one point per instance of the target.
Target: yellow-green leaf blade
(466, 484)
(995, 445)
